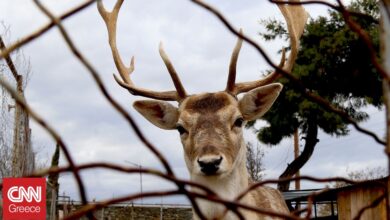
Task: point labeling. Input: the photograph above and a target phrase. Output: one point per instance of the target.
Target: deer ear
(257, 102)
(162, 114)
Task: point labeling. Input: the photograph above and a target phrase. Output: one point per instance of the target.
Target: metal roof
(331, 193)
(294, 195)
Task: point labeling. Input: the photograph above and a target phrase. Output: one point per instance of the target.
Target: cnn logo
(22, 193)
(24, 198)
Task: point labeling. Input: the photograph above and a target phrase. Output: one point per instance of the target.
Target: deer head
(210, 124)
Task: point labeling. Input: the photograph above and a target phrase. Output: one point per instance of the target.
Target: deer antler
(110, 19)
(296, 17)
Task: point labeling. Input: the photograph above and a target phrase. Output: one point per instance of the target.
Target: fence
(129, 210)
(234, 206)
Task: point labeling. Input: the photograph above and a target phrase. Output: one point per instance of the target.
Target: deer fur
(211, 124)
(212, 129)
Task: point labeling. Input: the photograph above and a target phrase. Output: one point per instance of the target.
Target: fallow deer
(211, 124)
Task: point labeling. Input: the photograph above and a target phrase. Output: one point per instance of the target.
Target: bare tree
(364, 174)
(5, 131)
(17, 156)
(254, 164)
(5, 125)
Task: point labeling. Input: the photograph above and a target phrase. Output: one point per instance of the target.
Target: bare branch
(115, 104)
(92, 207)
(302, 88)
(27, 39)
(9, 61)
(35, 116)
(206, 194)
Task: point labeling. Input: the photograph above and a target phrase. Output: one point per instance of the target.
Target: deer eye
(181, 129)
(239, 122)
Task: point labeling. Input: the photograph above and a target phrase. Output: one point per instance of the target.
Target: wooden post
(385, 50)
(17, 167)
(296, 154)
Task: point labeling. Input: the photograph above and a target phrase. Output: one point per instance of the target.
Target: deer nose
(210, 165)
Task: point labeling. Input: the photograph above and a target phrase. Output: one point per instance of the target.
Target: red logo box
(24, 198)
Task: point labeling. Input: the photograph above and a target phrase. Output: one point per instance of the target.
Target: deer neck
(227, 187)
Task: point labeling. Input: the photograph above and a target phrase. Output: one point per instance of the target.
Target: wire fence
(16, 152)
(87, 209)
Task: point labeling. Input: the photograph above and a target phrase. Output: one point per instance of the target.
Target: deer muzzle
(209, 164)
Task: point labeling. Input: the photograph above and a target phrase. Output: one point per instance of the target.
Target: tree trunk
(310, 142)
(53, 187)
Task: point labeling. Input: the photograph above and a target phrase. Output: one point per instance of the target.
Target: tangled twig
(182, 185)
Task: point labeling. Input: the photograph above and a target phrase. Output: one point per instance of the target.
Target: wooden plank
(341, 206)
(371, 197)
(354, 197)
(381, 210)
(344, 205)
(362, 202)
(348, 205)
(375, 214)
(368, 197)
(351, 201)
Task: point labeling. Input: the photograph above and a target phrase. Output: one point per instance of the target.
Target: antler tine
(230, 87)
(295, 29)
(172, 72)
(296, 17)
(110, 19)
(247, 86)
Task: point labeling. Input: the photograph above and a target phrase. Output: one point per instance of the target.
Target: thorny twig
(115, 104)
(123, 169)
(310, 200)
(209, 193)
(373, 204)
(354, 27)
(328, 4)
(101, 86)
(302, 88)
(309, 178)
(45, 125)
(92, 207)
(27, 39)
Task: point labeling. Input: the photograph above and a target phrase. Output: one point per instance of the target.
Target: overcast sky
(63, 92)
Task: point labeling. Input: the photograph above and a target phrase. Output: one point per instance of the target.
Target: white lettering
(22, 194)
(27, 209)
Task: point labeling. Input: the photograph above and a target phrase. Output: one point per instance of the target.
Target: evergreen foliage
(334, 63)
